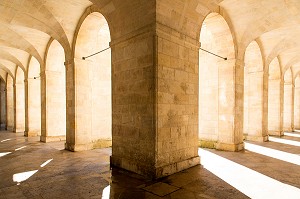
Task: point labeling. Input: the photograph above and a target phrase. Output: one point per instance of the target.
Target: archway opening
(33, 99)
(10, 103)
(254, 128)
(20, 101)
(54, 95)
(288, 101)
(93, 83)
(274, 99)
(216, 82)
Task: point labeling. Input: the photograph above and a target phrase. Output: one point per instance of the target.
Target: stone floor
(31, 169)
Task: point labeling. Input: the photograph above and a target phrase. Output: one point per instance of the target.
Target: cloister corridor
(263, 170)
(149, 99)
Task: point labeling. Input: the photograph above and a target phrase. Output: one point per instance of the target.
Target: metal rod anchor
(225, 58)
(95, 53)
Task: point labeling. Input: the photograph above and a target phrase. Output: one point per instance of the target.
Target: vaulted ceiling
(27, 25)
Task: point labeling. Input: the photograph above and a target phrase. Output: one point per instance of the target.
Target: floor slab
(52, 172)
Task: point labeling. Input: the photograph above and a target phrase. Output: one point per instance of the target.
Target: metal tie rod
(84, 58)
(95, 53)
(225, 58)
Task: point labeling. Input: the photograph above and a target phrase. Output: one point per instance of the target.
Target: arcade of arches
(152, 95)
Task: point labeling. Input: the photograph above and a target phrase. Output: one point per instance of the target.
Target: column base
(207, 144)
(151, 172)
(257, 138)
(52, 138)
(78, 147)
(31, 133)
(230, 147)
(288, 130)
(102, 143)
(19, 130)
(3, 127)
(97, 144)
(10, 128)
(276, 133)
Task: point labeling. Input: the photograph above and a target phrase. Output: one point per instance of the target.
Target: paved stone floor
(31, 169)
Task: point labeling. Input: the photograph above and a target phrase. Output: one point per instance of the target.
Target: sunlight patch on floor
(284, 141)
(4, 153)
(273, 153)
(47, 162)
(20, 177)
(292, 134)
(106, 192)
(5, 140)
(248, 181)
(20, 148)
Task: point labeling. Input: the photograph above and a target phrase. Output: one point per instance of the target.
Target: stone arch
(14, 40)
(275, 88)
(33, 98)
(92, 83)
(20, 101)
(10, 116)
(90, 10)
(288, 92)
(254, 125)
(293, 61)
(11, 58)
(7, 70)
(217, 86)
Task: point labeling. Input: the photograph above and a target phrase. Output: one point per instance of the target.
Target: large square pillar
(155, 103)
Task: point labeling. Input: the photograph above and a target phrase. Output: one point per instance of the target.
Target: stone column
(32, 108)
(293, 108)
(281, 105)
(288, 106)
(3, 105)
(231, 91)
(257, 119)
(14, 107)
(70, 106)
(53, 126)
